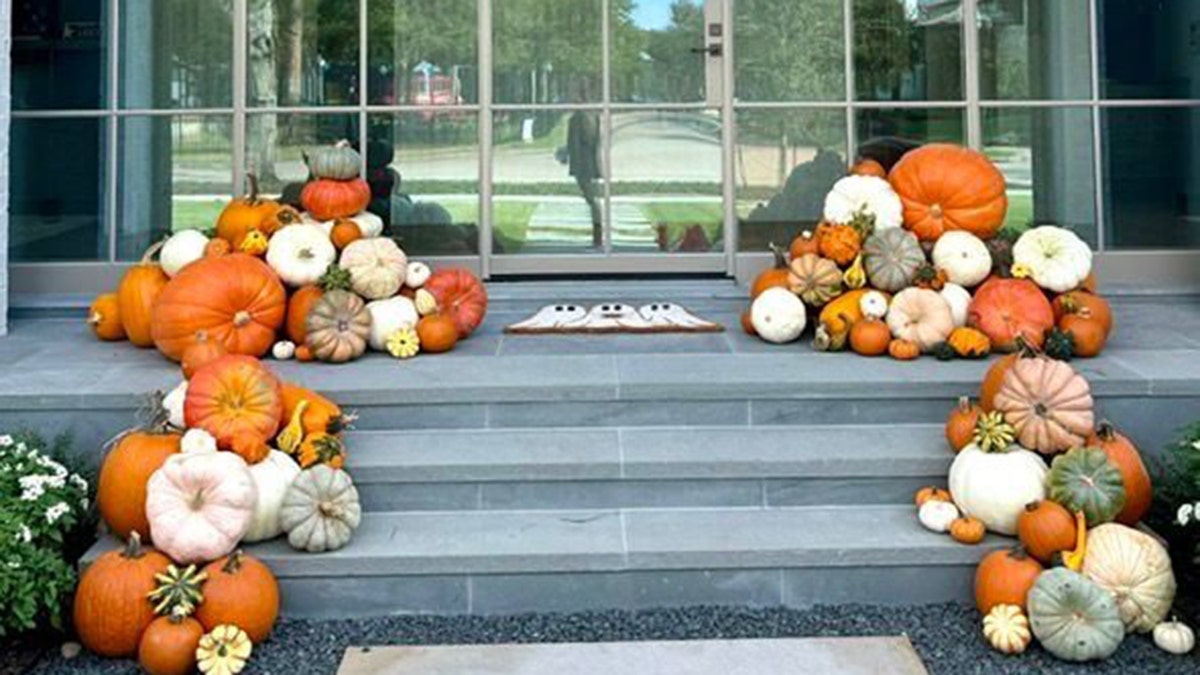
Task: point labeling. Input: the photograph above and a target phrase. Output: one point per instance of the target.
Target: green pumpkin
(335, 162)
(1085, 479)
(892, 258)
(1073, 618)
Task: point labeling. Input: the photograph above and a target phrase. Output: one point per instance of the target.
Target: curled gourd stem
(234, 563)
(780, 257)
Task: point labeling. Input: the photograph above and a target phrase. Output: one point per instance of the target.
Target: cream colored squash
(197, 441)
(1136, 569)
(172, 405)
(377, 267)
(963, 257)
(418, 274)
(869, 195)
(1056, 259)
(936, 515)
(1006, 627)
(368, 223)
(920, 315)
(778, 316)
(959, 300)
(200, 505)
(1174, 637)
(995, 486)
(389, 316)
(300, 254)
(181, 249)
(873, 304)
(272, 478)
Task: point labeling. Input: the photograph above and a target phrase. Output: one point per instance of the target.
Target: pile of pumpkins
(1032, 462)
(914, 261)
(323, 284)
(236, 455)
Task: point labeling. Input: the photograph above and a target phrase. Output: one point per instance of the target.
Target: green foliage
(1173, 516)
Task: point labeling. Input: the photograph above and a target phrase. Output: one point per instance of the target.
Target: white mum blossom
(1185, 514)
(24, 535)
(14, 564)
(1196, 444)
(5, 441)
(78, 482)
(57, 511)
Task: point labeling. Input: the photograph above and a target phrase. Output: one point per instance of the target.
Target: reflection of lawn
(190, 214)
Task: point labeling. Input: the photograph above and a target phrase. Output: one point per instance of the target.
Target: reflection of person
(583, 163)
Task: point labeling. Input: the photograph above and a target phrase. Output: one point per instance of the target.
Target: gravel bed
(946, 636)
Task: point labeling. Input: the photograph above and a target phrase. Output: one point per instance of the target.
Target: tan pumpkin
(339, 326)
(921, 316)
(815, 279)
(1048, 404)
(1136, 569)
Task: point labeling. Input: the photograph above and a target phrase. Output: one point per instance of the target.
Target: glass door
(608, 136)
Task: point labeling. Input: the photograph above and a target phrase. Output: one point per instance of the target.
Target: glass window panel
(302, 53)
(790, 51)
(666, 182)
(547, 51)
(908, 51)
(1047, 160)
(786, 162)
(176, 54)
(546, 176)
(56, 183)
(1149, 49)
(886, 134)
(276, 143)
(1034, 50)
(1152, 177)
(423, 53)
(59, 52)
(652, 53)
(174, 173)
(424, 171)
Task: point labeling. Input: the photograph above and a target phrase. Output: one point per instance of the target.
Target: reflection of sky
(652, 14)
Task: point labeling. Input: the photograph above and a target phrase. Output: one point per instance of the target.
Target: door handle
(711, 50)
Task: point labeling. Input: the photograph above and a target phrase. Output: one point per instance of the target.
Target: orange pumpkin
(437, 334)
(903, 350)
(279, 217)
(121, 486)
(304, 354)
(244, 214)
(217, 247)
(839, 243)
(870, 337)
(928, 494)
(1088, 334)
(111, 608)
(967, 530)
(748, 324)
(299, 305)
(104, 317)
(868, 167)
(232, 396)
(168, 647)
(198, 354)
(344, 233)
(139, 289)
(1004, 578)
(949, 187)
(1073, 302)
(1046, 528)
(460, 296)
(1002, 309)
(242, 591)
(236, 299)
(774, 277)
(994, 377)
(806, 242)
(328, 199)
(960, 424)
(321, 415)
(250, 447)
(1139, 492)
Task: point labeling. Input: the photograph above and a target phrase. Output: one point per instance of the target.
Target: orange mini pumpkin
(328, 199)
(298, 308)
(1088, 334)
(804, 243)
(1073, 302)
(437, 334)
(839, 243)
(231, 396)
(304, 354)
(168, 647)
(344, 233)
(1046, 528)
(243, 214)
(137, 295)
(200, 353)
(927, 494)
(1004, 578)
(870, 337)
(960, 424)
(904, 350)
(775, 276)
(104, 317)
(241, 590)
(967, 530)
(868, 167)
(279, 217)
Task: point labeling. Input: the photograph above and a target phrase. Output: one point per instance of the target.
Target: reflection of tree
(884, 46)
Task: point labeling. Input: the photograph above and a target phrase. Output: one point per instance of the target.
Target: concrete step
(645, 467)
(487, 562)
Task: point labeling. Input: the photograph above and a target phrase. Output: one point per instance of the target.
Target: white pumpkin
(418, 274)
(283, 350)
(963, 257)
(172, 404)
(377, 267)
(959, 300)
(995, 486)
(368, 223)
(389, 316)
(325, 226)
(936, 515)
(1056, 259)
(1174, 637)
(864, 194)
(200, 505)
(197, 441)
(180, 250)
(778, 315)
(1136, 569)
(300, 254)
(272, 478)
(920, 315)
(321, 510)
(873, 304)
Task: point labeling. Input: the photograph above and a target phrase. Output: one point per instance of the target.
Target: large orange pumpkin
(775, 276)
(1124, 454)
(1004, 578)
(460, 296)
(111, 608)
(236, 299)
(437, 333)
(299, 305)
(1005, 308)
(244, 214)
(121, 487)
(328, 199)
(139, 289)
(321, 416)
(242, 591)
(104, 317)
(949, 187)
(234, 395)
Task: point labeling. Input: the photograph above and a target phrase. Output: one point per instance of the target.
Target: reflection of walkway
(560, 223)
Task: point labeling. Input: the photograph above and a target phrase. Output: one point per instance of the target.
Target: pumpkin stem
(1105, 431)
(241, 319)
(233, 564)
(1032, 506)
(780, 256)
(252, 185)
(1025, 348)
(133, 547)
(964, 403)
(94, 319)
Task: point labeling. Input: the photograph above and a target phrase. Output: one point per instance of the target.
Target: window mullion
(240, 18)
(111, 127)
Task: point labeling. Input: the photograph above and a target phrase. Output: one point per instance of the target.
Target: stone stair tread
(653, 453)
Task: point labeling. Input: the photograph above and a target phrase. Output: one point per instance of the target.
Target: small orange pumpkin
(928, 494)
(200, 353)
(437, 334)
(298, 308)
(1004, 578)
(304, 354)
(839, 243)
(240, 590)
(243, 214)
(139, 289)
(774, 277)
(804, 243)
(104, 317)
(870, 337)
(168, 647)
(903, 350)
(344, 233)
(748, 324)
(868, 167)
(1046, 528)
(217, 247)
(280, 216)
(1089, 335)
(960, 424)
(967, 530)
(250, 447)
(1075, 301)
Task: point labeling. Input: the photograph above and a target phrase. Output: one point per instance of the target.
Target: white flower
(14, 564)
(78, 482)
(57, 511)
(24, 535)
(1196, 444)
(1184, 516)
(5, 441)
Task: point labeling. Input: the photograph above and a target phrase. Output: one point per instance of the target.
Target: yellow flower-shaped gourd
(1007, 629)
(224, 651)
(404, 343)
(255, 243)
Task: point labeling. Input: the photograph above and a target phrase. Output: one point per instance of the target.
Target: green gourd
(1073, 618)
(1085, 479)
(892, 258)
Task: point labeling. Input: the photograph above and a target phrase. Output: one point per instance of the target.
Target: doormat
(793, 656)
(612, 317)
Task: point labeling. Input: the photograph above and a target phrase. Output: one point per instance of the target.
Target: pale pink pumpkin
(200, 505)
(1048, 403)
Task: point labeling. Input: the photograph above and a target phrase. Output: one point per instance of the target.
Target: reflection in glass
(174, 173)
(653, 57)
(546, 174)
(422, 52)
(56, 188)
(58, 55)
(1034, 50)
(547, 51)
(906, 51)
(424, 173)
(666, 182)
(276, 144)
(1046, 157)
(789, 51)
(1152, 177)
(1149, 49)
(302, 53)
(176, 54)
(786, 161)
(886, 134)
